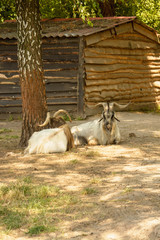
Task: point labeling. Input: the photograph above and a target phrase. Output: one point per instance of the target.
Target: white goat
(101, 131)
(51, 140)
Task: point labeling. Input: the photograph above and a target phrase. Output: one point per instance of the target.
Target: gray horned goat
(57, 139)
(101, 131)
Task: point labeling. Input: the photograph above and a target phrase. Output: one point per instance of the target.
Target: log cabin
(115, 59)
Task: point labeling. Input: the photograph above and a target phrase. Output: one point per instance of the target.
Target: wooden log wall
(10, 92)
(60, 57)
(123, 66)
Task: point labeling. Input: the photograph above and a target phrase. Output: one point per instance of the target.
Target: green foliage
(69, 9)
(148, 11)
(56, 8)
(7, 10)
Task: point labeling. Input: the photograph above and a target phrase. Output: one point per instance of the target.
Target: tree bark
(31, 73)
(107, 8)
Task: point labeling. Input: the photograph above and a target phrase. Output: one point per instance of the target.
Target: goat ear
(116, 119)
(100, 119)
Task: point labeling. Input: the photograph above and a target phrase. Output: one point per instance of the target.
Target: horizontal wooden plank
(59, 51)
(8, 56)
(8, 65)
(62, 87)
(9, 81)
(9, 74)
(107, 61)
(8, 48)
(8, 41)
(60, 79)
(61, 94)
(91, 53)
(60, 65)
(62, 100)
(136, 74)
(60, 45)
(102, 93)
(124, 28)
(127, 97)
(9, 88)
(133, 36)
(100, 51)
(11, 96)
(61, 73)
(119, 67)
(10, 102)
(62, 40)
(97, 37)
(124, 87)
(118, 81)
(4, 110)
(61, 57)
(71, 108)
(130, 44)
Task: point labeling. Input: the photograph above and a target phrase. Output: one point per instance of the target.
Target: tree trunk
(107, 8)
(33, 94)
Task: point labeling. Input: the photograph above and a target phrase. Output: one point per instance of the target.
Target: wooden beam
(146, 32)
(97, 37)
(124, 28)
(129, 44)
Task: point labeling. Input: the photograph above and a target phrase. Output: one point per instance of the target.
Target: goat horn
(46, 121)
(105, 105)
(119, 105)
(62, 111)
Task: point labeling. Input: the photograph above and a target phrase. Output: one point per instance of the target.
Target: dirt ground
(126, 179)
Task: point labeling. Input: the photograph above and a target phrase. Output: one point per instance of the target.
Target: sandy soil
(126, 179)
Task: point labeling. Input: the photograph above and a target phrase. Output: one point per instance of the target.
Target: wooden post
(80, 80)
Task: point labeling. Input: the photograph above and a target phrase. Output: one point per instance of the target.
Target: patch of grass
(89, 191)
(6, 137)
(37, 208)
(5, 130)
(11, 219)
(127, 190)
(91, 154)
(12, 136)
(74, 161)
(95, 180)
(35, 230)
(11, 118)
(79, 118)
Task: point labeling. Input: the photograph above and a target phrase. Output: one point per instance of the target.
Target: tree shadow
(124, 180)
